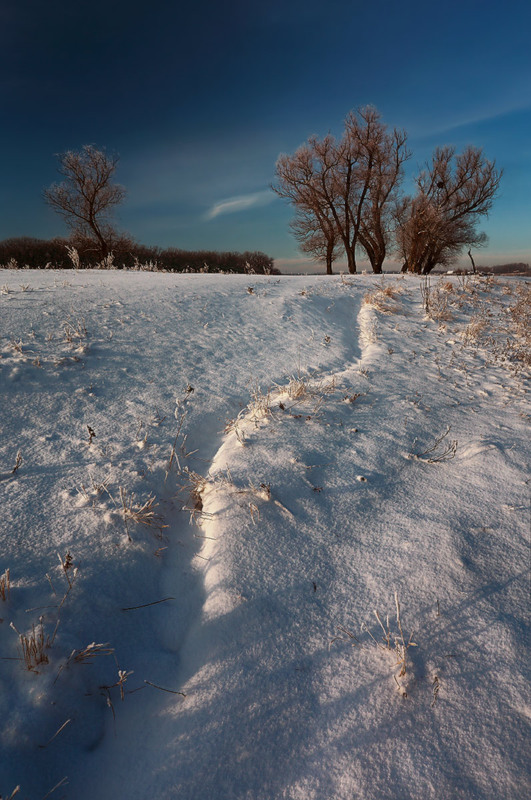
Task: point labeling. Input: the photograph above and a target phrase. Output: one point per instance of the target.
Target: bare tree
(318, 236)
(86, 197)
(372, 167)
(453, 192)
(298, 180)
(348, 183)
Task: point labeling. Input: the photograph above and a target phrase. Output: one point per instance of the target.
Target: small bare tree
(86, 197)
(298, 180)
(317, 235)
(452, 193)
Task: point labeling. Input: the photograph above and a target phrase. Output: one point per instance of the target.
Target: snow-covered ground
(303, 459)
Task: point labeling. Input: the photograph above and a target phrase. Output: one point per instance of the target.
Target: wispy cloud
(481, 116)
(242, 202)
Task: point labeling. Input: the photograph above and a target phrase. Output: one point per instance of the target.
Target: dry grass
(475, 329)
(194, 486)
(435, 300)
(297, 389)
(521, 314)
(436, 685)
(506, 337)
(86, 655)
(260, 405)
(17, 346)
(140, 513)
(263, 403)
(74, 330)
(446, 453)
(62, 782)
(34, 645)
(447, 286)
(301, 388)
(106, 690)
(91, 492)
(73, 255)
(393, 641)
(5, 586)
(174, 458)
(233, 426)
(383, 299)
(397, 641)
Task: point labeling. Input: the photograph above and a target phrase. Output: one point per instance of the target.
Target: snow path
(314, 522)
(205, 335)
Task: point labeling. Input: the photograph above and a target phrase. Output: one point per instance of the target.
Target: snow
(292, 451)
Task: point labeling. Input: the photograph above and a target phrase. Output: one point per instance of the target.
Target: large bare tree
(453, 192)
(87, 197)
(348, 183)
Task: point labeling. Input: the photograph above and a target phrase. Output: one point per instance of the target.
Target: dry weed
(140, 513)
(174, 458)
(74, 330)
(383, 299)
(393, 641)
(5, 586)
(194, 485)
(15, 791)
(435, 301)
(431, 456)
(260, 405)
(233, 426)
(297, 389)
(521, 313)
(17, 346)
(475, 329)
(86, 655)
(34, 644)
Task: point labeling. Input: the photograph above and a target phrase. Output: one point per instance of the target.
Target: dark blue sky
(199, 101)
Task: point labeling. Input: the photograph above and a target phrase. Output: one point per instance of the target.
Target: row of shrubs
(29, 253)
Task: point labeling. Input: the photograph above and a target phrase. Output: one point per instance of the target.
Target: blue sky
(199, 102)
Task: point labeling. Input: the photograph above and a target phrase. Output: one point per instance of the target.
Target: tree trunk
(351, 260)
(377, 263)
(329, 258)
(104, 247)
(367, 245)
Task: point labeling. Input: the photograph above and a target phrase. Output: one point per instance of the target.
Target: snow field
(311, 504)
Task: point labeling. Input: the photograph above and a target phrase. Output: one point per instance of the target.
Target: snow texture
(209, 485)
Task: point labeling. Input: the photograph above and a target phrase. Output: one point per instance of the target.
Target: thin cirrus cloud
(242, 202)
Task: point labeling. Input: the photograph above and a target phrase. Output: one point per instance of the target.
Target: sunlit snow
(212, 500)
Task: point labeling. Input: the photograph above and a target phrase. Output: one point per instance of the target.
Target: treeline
(516, 268)
(30, 253)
